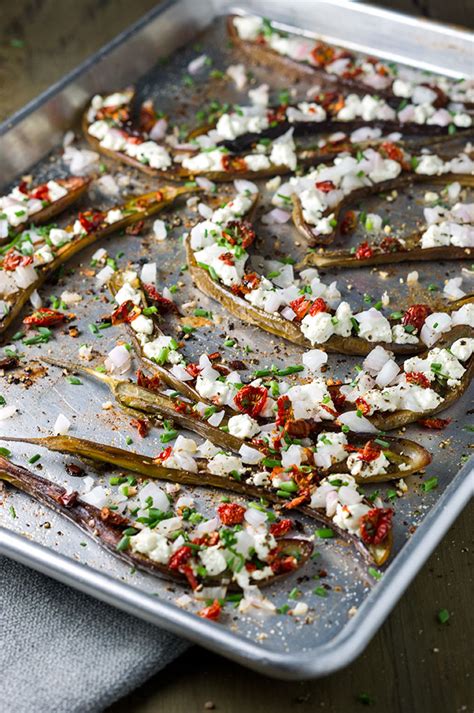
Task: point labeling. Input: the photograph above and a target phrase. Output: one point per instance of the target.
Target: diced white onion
(197, 64)
(158, 131)
(314, 359)
(104, 275)
(207, 526)
(358, 424)
(119, 360)
(255, 517)
(205, 211)
(7, 412)
(277, 215)
(241, 185)
(61, 425)
(376, 359)
(452, 289)
(97, 497)
(148, 273)
(159, 497)
(36, 300)
(159, 229)
(387, 373)
(216, 418)
(287, 313)
(205, 183)
(250, 456)
(210, 593)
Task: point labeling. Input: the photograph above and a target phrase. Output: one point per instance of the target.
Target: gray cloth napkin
(64, 652)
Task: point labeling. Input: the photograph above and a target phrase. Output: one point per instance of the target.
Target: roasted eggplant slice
(443, 395)
(309, 231)
(35, 206)
(370, 256)
(20, 276)
(296, 57)
(116, 533)
(150, 468)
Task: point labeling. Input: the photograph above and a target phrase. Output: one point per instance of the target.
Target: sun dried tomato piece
(141, 425)
(322, 54)
(233, 163)
(390, 245)
(13, 259)
(436, 424)
(231, 513)
(125, 313)
(362, 406)
(180, 557)
(281, 563)
(348, 223)
(23, 187)
(319, 305)
(163, 303)
(277, 114)
(239, 232)
(364, 251)
(193, 369)
(251, 399)
(392, 151)
(184, 407)
(227, 258)
(415, 316)
(376, 525)
(44, 317)
(91, 220)
(164, 454)
(41, 193)
(284, 410)
(303, 497)
(112, 518)
(325, 186)
(178, 561)
(300, 307)
(338, 399)
(278, 529)
(211, 612)
(369, 452)
(135, 228)
(152, 383)
(416, 377)
(250, 282)
(147, 118)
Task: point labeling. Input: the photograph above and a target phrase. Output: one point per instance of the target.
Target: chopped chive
(443, 616)
(375, 573)
(324, 532)
(74, 380)
(123, 543)
(430, 484)
(320, 592)
(34, 459)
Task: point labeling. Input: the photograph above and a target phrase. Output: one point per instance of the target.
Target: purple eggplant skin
(274, 324)
(76, 187)
(148, 468)
(398, 419)
(107, 527)
(144, 206)
(344, 258)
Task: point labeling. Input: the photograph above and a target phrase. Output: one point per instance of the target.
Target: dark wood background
(414, 664)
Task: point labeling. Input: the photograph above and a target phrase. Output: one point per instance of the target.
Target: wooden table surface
(414, 664)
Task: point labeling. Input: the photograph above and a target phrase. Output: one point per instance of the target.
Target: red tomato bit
(376, 525)
(44, 317)
(231, 513)
(251, 399)
(415, 316)
(436, 424)
(212, 612)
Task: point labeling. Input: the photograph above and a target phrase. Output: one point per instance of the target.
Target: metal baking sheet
(339, 626)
